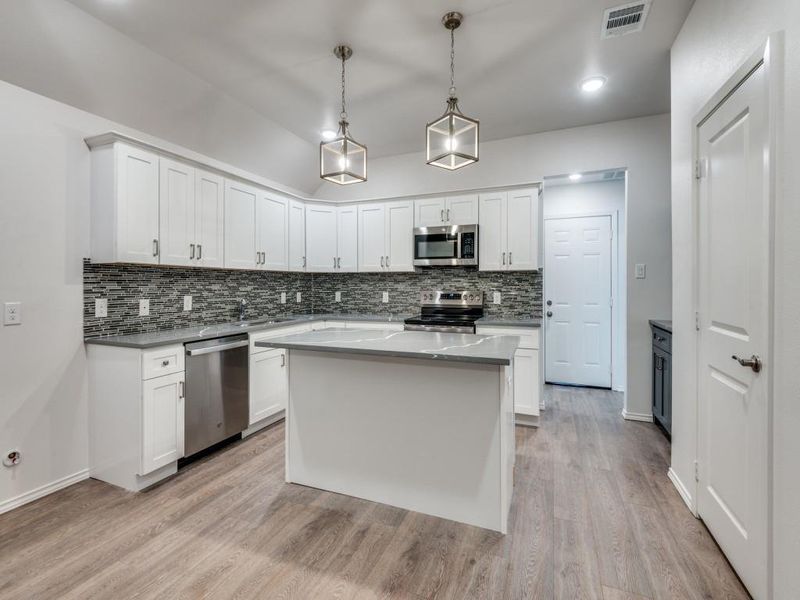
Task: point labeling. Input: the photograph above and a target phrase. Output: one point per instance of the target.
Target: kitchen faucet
(242, 309)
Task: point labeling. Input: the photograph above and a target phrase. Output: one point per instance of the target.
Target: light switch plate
(299, 297)
(641, 271)
(100, 308)
(337, 296)
(283, 297)
(496, 298)
(13, 313)
(187, 303)
(385, 297)
(144, 307)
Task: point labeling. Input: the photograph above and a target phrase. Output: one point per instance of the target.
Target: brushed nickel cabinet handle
(182, 391)
(283, 360)
(387, 262)
(441, 216)
(381, 262)
(304, 261)
(165, 363)
(334, 262)
(448, 215)
(504, 258)
(191, 251)
(155, 247)
(199, 251)
(339, 262)
(509, 258)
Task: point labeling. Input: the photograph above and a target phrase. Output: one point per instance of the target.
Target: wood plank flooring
(594, 516)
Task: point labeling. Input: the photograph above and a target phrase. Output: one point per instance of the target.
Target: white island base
(432, 436)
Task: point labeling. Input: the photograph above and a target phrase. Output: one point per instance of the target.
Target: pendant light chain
(344, 112)
(452, 63)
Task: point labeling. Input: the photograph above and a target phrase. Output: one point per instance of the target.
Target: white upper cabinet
(272, 232)
(125, 220)
(429, 212)
(509, 231)
(321, 223)
(385, 236)
(400, 236)
(462, 210)
(240, 225)
(347, 239)
(209, 219)
(297, 236)
(372, 237)
(176, 213)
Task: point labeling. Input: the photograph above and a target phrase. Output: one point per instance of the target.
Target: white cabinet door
(137, 205)
(523, 230)
(526, 382)
(320, 238)
(297, 236)
(371, 238)
(209, 223)
(240, 225)
(269, 384)
(492, 232)
(462, 210)
(176, 213)
(162, 421)
(347, 239)
(272, 232)
(400, 236)
(429, 212)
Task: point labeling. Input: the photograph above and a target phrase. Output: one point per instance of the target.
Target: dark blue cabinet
(662, 375)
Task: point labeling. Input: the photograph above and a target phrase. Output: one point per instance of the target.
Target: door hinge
(611, 301)
(700, 168)
(697, 321)
(696, 471)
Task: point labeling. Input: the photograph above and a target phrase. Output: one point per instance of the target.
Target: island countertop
(486, 349)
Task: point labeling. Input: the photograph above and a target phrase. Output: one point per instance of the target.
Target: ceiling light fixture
(575, 177)
(328, 134)
(452, 139)
(342, 160)
(593, 84)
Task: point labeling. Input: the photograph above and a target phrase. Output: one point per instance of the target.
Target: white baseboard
(632, 416)
(682, 490)
(40, 492)
(256, 427)
(526, 420)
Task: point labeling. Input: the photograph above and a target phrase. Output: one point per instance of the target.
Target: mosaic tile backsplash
(216, 293)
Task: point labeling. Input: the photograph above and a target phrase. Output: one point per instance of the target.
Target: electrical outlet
(101, 308)
(641, 271)
(187, 303)
(337, 297)
(144, 307)
(283, 297)
(13, 313)
(496, 298)
(299, 297)
(385, 297)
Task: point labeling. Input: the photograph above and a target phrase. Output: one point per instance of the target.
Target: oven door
(446, 246)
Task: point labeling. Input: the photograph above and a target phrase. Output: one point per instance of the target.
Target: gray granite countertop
(206, 332)
(506, 322)
(486, 349)
(664, 324)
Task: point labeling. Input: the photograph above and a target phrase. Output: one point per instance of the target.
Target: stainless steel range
(450, 312)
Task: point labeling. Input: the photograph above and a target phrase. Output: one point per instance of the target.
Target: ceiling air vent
(626, 18)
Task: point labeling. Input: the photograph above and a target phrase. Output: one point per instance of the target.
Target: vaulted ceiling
(518, 62)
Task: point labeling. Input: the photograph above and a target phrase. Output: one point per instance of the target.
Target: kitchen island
(422, 421)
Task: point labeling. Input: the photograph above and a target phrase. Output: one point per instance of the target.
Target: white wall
(53, 48)
(717, 37)
(640, 145)
(574, 199)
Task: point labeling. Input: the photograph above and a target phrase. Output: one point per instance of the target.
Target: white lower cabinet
(162, 421)
(269, 384)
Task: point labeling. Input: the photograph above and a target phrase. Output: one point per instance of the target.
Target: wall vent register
(624, 19)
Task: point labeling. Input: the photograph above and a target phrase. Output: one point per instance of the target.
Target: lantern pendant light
(452, 139)
(343, 160)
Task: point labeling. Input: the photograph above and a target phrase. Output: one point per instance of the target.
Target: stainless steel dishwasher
(216, 405)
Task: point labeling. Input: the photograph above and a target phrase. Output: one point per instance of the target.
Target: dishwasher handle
(218, 348)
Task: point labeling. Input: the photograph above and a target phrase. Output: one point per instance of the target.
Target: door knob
(754, 362)
(549, 303)
(549, 313)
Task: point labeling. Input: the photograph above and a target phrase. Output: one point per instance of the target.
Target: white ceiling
(518, 62)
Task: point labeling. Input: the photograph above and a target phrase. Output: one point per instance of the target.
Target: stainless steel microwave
(447, 246)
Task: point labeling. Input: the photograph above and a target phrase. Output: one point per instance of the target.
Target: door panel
(269, 384)
(347, 239)
(523, 227)
(321, 238)
(273, 232)
(176, 213)
(162, 421)
(297, 236)
(371, 238)
(400, 236)
(734, 265)
(240, 225)
(578, 285)
(429, 212)
(462, 210)
(209, 219)
(137, 195)
(492, 232)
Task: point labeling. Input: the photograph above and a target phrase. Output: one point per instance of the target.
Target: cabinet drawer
(662, 339)
(162, 361)
(273, 333)
(528, 336)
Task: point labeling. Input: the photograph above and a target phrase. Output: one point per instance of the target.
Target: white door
(577, 298)
(240, 225)
(400, 236)
(371, 238)
(734, 262)
(492, 232)
(320, 238)
(462, 210)
(297, 236)
(137, 205)
(269, 384)
(162, 421)
(209, 227)
(176, 213)
(347, 239)
(272, 222)
(523, 228)
(429, 212)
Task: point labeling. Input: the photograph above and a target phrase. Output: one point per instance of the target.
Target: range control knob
(463, 296)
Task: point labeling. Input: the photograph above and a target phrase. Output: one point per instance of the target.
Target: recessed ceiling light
(593, 84)
(575, 176)
(327, 134)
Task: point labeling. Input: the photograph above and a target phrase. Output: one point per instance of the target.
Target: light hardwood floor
(594, 516)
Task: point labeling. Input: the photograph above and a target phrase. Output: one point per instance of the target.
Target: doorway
(584, 217)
